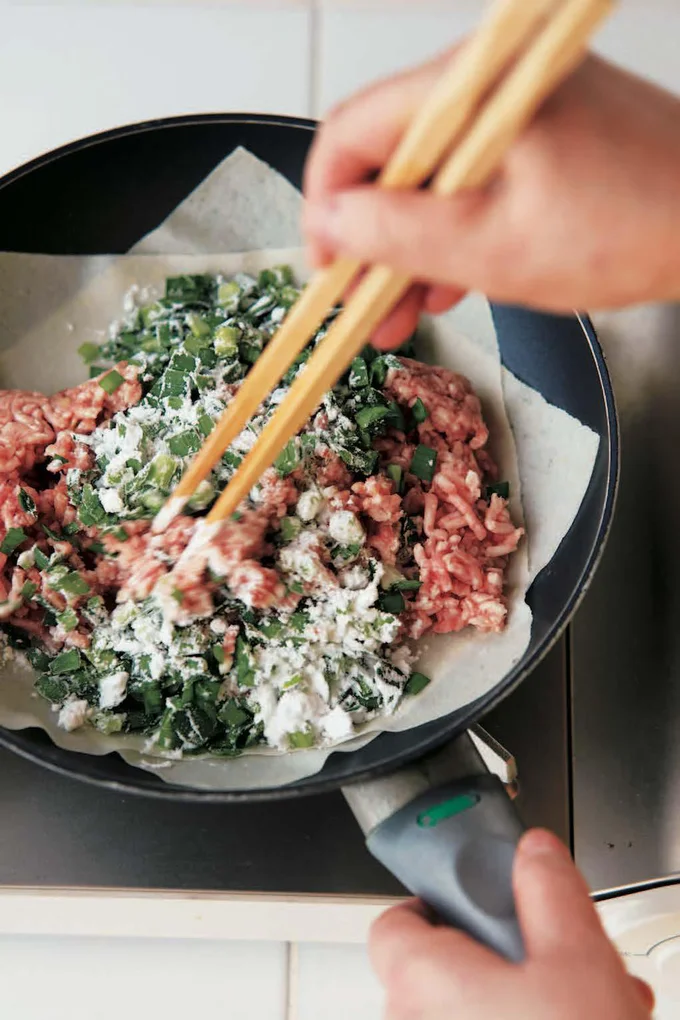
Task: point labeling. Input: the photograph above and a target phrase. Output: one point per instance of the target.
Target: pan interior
(103, 194)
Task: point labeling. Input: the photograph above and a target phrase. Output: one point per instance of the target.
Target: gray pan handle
(454, 847)
(447, 829)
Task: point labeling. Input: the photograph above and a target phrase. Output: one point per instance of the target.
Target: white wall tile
(106, 979)
(335, 983)
(71, 70)
(360, 42)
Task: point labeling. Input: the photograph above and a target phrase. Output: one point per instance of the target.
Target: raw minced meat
(293, 622)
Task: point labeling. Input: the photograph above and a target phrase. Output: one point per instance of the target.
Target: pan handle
(452, 843)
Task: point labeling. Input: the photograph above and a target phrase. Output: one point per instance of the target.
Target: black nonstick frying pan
(451, 842)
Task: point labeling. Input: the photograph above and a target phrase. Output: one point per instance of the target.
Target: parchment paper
(50, 305)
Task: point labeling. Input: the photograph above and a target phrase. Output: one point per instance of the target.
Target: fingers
(645, 993)
(555, 911)
(439, 299)
(401, 322)
(359, 136)
(433, 239)
(406, 923)
(424, 966)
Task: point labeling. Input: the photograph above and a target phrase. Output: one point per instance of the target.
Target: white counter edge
(187, 915)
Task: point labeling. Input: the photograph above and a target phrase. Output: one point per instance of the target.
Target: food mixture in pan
(383, 521)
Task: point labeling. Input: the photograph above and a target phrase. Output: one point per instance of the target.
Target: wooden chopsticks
(448, 109)
(479, 143)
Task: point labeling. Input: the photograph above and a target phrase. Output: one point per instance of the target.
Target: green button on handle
(454, 847)
(447, 809)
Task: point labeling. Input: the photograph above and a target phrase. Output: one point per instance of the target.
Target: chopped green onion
(226, 341)
(416, 683)
(197, 324)
(110, 383)
(178, 595)
(392, 602)
(396, 473)
(66, 662)
(218, 654)
(288, 459)
(419, 411)
(68, 620)
(236, 516)
(501, 489)
(173, 383)
(228, 295)
(183, 362)
(396, 417)
(29, 589)
(424, 463)
(358, 374)
(42, 561)
(378, 371)
(369, 416)
(188, 288)
(298, 621)
(245, 674)
(290, 528)
(96, 370)
(120, 533)
(161, 470)
(288, 296)
(206, 424)
(347, 552)
(52, 689)
(109, 722)
(13, 538)
(271, 628)
(293, 682)
(249, 352)
(88, 352)
(233, 716)
(406, 584)
(151, 313)
(301, 738)
(202, 497)
(184, 444)
(73, 584)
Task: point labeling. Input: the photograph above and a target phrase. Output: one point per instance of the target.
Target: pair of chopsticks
(461, 135)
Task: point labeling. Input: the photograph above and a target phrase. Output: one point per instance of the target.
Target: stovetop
(594, 729)
(57, 831)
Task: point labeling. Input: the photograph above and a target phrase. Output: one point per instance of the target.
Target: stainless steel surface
(59, 832)
(496, 757)
(625, 640)
(377, 799)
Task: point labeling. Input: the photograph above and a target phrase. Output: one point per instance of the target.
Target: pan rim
(74, 765)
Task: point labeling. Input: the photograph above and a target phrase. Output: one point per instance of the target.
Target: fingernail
(541, 843)
(320, 219)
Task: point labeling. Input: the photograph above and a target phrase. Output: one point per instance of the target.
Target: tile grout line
(314, 84)
(292, 978)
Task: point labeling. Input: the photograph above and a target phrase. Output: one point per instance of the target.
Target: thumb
(432, 239)
(555, 911)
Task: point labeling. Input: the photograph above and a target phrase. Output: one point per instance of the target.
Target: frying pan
(445, 828)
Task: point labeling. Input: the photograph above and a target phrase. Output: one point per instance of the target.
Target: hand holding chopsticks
(460, 118)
